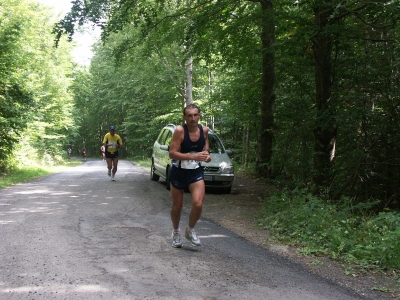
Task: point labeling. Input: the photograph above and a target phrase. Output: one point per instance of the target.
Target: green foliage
(340, 230)
(35, 103)
(20, 175)
(15, 96)
(25, 172)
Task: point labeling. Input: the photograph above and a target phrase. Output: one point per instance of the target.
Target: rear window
(168, 138)
(215, 144)
(162, 136)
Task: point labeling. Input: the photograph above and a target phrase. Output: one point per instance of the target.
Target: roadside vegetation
(357, 234)
(23, 173)
(19, 175)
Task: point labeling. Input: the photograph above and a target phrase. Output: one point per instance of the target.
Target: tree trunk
(325, 129)
(264, 156)
(246, 145)
(189, 84)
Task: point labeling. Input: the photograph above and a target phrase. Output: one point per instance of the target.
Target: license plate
(209, 178)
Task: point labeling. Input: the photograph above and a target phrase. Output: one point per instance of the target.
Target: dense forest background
(306, 93)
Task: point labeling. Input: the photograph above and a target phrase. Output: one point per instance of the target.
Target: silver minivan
(218, 174)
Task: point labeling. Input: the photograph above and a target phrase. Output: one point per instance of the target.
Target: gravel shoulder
(237, 212)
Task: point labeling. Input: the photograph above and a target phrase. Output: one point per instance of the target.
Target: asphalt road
(78, 235)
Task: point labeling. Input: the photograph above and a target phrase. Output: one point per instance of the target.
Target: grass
(25, 173)
(142, 161)
(341, 230)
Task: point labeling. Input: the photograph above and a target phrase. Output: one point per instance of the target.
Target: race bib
(113, 145)
(189, 164)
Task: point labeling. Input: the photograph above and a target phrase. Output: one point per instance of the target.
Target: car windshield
(215, 144)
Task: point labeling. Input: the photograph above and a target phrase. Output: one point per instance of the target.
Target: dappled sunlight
(63, 289)
(6, 195)
(3, 222)
(60, 193)
(38, 206)
(211, 236)
(90, 288)
(32, 192)
(43, 209)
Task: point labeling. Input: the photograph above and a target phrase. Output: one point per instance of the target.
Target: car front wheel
(153, 176)
(167, 179)
(224, 190)
(228, 190)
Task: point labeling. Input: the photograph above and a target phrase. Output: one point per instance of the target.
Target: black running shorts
(112, 154)
(182, 178)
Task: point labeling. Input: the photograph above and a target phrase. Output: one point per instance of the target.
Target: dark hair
(190, 106)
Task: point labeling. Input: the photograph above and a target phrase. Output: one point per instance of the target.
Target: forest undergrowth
(364, 240)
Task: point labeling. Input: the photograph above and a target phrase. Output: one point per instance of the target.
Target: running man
(84, 153)
(112, 143)
(103, 152)
(189, 147)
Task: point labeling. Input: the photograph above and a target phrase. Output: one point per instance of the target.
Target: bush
(338, 230)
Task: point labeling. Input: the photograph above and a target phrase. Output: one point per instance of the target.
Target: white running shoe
(192, 237)
(176, 240)
(113, 177)
(109, 173)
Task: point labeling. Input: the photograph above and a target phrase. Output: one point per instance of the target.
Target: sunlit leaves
(33, 77)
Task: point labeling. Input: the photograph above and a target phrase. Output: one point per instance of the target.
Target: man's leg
(109, 165)
(115, 165)
(197, 190)
(176, 207)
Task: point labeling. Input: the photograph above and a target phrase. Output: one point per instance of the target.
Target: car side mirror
(164, 147)
(229, 152)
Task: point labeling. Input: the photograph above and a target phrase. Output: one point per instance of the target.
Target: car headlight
(226, 168)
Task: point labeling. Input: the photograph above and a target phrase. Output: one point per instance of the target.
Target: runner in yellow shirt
(112, 142)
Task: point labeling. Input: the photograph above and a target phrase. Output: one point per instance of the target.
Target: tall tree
(267, 89)
(337, 22)
(325, 130)
(34, 78)
(16, 99)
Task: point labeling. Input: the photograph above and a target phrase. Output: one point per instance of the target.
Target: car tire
(168, 186)
(227, 190)
(153, 176)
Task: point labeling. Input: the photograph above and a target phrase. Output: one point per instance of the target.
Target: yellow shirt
(112, 141)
